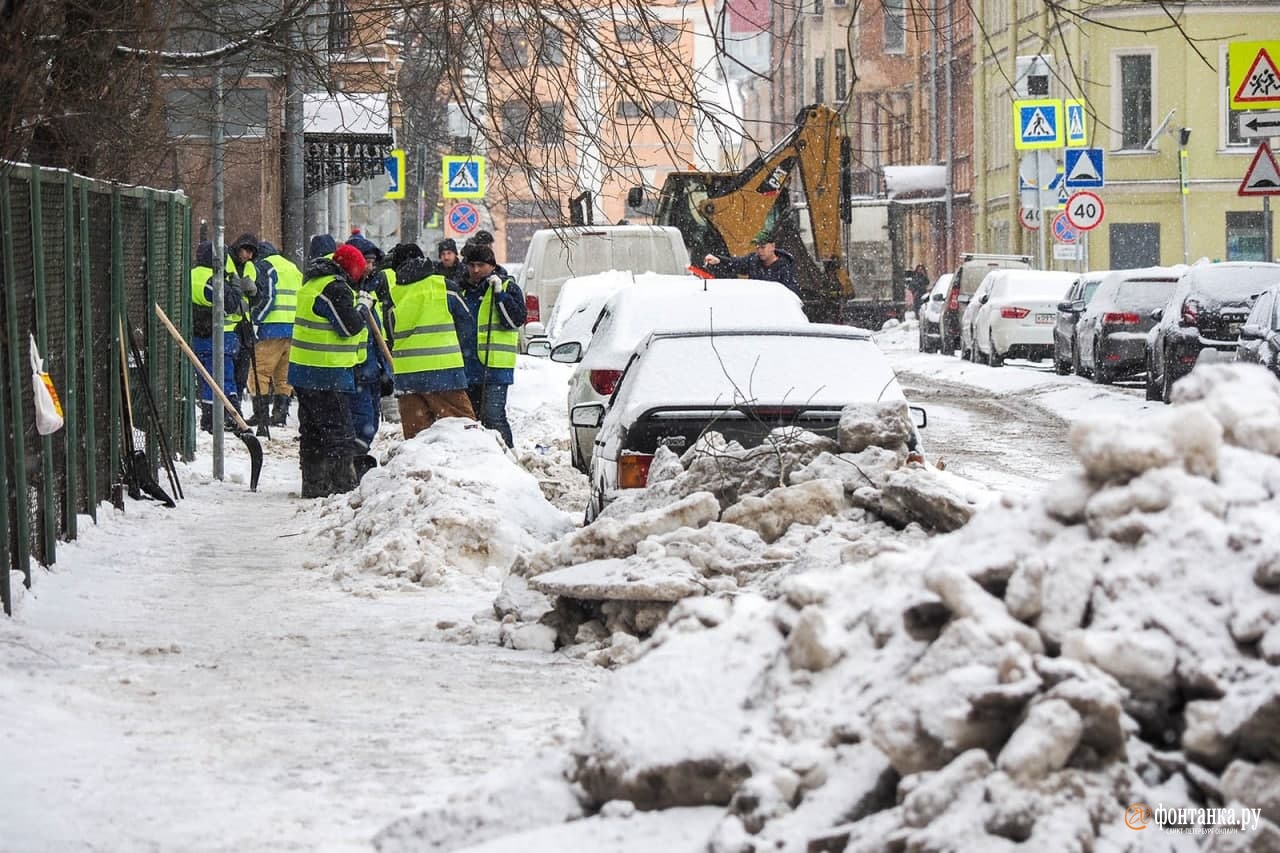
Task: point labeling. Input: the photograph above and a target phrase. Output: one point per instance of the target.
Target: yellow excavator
(799, 190)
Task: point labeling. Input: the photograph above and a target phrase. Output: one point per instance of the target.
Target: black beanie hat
(446, 245)
(478, 253)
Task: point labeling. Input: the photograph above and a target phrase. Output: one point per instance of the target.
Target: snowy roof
(915, 181)
(345, 112)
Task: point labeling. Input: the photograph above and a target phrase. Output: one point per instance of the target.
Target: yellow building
(1150, 84)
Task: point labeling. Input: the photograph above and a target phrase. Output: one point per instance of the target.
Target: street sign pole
(1182, 194)
(1268, 249)
(1040, 234)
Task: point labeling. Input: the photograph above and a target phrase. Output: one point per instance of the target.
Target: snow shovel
(242, 431)
(153, 412)
(137, 469)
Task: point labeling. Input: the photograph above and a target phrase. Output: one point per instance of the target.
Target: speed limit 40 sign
(1085, 210)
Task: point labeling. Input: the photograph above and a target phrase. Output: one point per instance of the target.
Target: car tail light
(953, 301)
(1012, 313)
(531, 309)
(604, 381)
(633, 470)
(1116, 318)
(1188, 357)
(1190, 313)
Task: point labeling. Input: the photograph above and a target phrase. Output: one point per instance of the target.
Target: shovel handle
(195, 361)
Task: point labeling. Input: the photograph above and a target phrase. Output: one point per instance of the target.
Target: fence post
(90, 461)
(49, 492)
(70, 389)
(21, 521)
(117, 300)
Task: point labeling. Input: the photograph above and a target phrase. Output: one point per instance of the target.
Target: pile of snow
(722, 519)
(1020, 683)
(449, 502)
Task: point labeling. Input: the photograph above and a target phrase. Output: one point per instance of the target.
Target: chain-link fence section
(82, 261)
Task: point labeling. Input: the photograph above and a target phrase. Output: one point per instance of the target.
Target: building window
(817, 7)
(551, 51)
(654, 32)
(627, 109)
(513, 49)
(1135, 245)
(895, 26)
(550, 123)
(515, 121)
(666, 109)
(819, 80)
(839, 4)
(1246, 236)
(842, 75)
(1135, 100)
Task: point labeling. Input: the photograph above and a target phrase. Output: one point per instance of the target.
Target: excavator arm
(796, 189)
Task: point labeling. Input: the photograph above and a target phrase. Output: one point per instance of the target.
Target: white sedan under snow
(744, 384)
(1017, 314)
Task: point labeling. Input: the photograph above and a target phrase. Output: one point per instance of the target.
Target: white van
(558, 254)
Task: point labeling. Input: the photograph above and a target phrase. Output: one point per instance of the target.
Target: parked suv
(1111, 337)
(973, 268)
(1208, 307)
(1064, 331)
(1260, 334)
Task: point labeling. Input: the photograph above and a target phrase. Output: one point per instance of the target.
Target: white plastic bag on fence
(48, 406)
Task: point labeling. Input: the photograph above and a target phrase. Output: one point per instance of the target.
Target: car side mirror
(1067, 306)
(1156, 314)
(540, 348)
(635, 197)
(984, 298)
(569, 352)
(589, 415)
(938, 297)
(1250, 332)
(919, 416)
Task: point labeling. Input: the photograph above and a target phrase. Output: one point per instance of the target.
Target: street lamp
(1184, 136)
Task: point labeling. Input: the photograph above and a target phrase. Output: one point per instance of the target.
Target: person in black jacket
(768, 263)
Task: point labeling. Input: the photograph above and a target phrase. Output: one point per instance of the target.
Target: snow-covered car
(1111, 335)
(1202, 319)
(967, 316)
(741, 383)
(1260, 335)
(930, 314)
(1069, 311)
(681, 303)
(1016, 315)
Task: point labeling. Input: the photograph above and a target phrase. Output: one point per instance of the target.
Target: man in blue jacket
(767, 263)
(234, 291)
(490, 339)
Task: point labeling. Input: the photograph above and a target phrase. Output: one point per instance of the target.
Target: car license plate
(1046, 318)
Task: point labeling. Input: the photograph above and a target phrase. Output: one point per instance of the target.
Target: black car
(1206, 312)
(1064, 329)
(1260, 335)
(1111, 336)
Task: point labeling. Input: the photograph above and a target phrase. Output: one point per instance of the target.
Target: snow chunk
(1111, 451)
(887, 425)
(771, 515)
(1243, 398)
(1043, 742)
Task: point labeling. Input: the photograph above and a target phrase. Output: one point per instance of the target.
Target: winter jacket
(202, 294)
(327, 294)
(782, 270)
(508, 313)
(279, 281)
(424, 326)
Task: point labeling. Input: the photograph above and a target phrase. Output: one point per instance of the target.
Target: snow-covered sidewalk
(196, 679)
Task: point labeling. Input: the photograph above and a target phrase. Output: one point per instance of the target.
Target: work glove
(497, 283)
(387, 387)
(710, 261)
(247, 285)
(364, 299)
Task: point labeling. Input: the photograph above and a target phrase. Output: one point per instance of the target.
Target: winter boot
(279, 410)
(315, 475)
(342, 474)
(261, 415)
(364, 464)
(206, 416)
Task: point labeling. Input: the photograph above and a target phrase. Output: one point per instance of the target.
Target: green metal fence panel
(81, 258)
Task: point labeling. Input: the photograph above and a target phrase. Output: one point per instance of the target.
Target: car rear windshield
(1144, 294)
(762, 369)
(1233, 283)
(1048, 286)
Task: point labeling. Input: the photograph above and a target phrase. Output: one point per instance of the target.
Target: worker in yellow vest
(279, 280)
(490, 342)
(234, 291)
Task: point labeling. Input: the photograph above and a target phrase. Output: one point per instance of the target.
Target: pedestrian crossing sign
(1076, 136)
(463, 176)
(1037, 124)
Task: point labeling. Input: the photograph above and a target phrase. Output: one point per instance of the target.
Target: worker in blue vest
(329, 339)
(490, 342)
(374, 372)
(235, 289)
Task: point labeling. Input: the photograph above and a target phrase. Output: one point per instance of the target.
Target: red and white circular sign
(1030, 218)
(1085, 210)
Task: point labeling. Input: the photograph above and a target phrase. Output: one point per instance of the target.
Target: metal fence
(80, 260)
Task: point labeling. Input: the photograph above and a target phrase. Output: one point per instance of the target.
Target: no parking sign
(464, 218)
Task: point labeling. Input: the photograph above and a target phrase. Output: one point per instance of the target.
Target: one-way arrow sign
(1254, 125)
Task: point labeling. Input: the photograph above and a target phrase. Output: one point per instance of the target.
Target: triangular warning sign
(1261, 82)
(464, 179)
(1083, 170)
(1263, 177)
(1039, 127)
